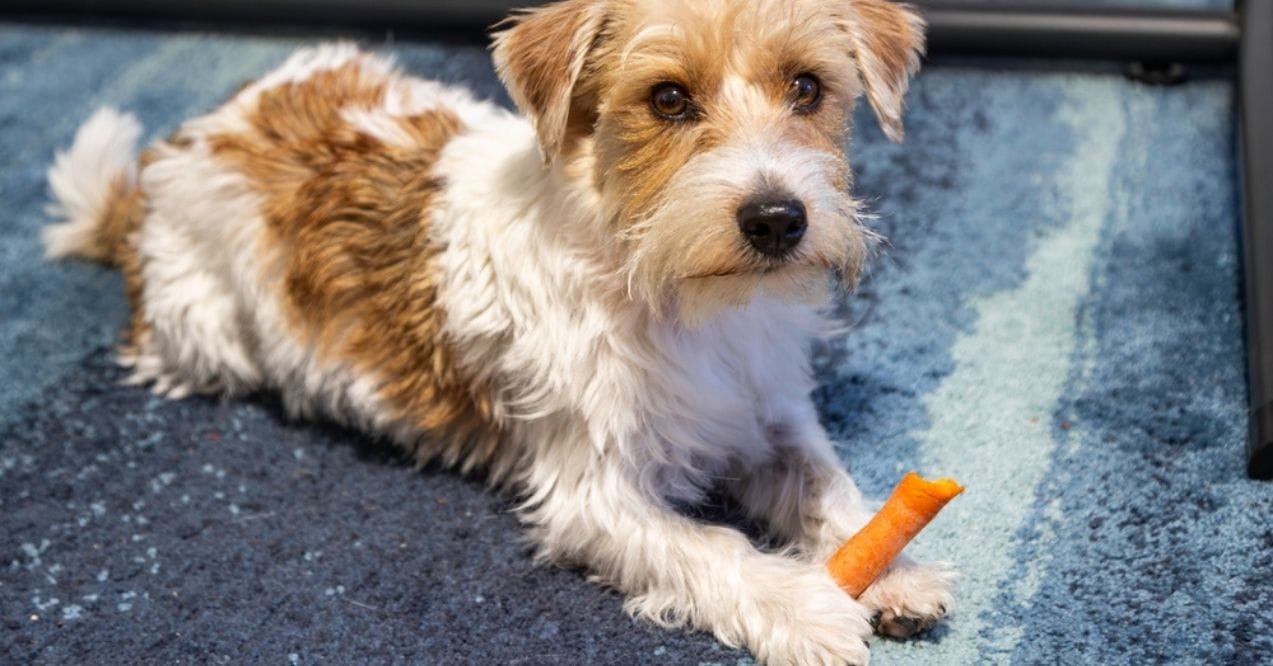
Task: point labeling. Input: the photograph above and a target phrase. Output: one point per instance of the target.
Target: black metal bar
(458, 18)
(1147, 35)
(1150, 35)
(1255, 80)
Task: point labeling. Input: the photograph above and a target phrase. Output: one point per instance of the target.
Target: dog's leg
(195, 343)
(805, 496)
(678, 572)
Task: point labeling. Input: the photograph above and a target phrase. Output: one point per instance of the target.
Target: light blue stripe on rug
(990, 419)
(1162, 548)
(955, 231)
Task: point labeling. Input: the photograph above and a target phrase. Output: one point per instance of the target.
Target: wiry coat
(563, 301)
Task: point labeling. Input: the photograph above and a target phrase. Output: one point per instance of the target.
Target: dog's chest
(731, 384)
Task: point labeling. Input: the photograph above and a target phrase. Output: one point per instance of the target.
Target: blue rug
(1055, 321)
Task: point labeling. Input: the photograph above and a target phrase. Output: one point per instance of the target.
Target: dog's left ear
(540, 59)
(888, 40)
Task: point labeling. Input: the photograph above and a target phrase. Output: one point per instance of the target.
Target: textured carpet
(1056, 322)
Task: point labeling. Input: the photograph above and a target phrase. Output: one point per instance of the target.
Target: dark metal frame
(1255, 81)
(1152, 38)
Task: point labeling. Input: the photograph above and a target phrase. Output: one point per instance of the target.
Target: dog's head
(712, 132)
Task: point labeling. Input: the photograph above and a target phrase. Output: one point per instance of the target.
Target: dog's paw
(810, 620)
(910, 597)
(149, 370)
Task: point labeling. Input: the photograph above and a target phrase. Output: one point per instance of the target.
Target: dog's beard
(699, 300)
(688, 260)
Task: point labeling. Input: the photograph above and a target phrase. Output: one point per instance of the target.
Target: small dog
(605, 305)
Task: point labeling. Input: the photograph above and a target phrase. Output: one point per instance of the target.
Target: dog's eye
(670, 102)
(806, 93)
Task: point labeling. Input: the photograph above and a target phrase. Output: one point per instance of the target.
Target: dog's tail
(95, 192)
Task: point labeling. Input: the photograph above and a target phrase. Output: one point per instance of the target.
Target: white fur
(614, 414)
(105, 149)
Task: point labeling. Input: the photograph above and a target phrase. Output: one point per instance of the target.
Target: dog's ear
(888, 40)
(540, 58)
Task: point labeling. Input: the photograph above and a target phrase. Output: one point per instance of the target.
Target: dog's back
(284, 241)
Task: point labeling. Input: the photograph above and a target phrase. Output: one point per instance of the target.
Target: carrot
(866, 554)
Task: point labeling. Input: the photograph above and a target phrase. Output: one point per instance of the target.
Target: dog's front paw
(807, 619)
(910, 597)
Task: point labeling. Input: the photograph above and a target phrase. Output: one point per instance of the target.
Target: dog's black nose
(773, 227)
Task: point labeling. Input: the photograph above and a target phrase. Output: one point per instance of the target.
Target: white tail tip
(82, 178)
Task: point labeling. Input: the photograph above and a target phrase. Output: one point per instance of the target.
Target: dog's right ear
(540, 58)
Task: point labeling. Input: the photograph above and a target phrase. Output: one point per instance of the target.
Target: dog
(604, 304)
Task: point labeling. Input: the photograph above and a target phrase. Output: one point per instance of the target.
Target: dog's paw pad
(910, 598)
(893, 624)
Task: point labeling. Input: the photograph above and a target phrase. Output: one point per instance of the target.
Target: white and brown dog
(606, 305)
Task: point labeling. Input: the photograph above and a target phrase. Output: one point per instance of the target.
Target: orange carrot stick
(866, 554)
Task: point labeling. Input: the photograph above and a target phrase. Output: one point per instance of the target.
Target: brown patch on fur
(351, 251)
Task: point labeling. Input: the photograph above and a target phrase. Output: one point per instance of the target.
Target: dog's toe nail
(900, 627)
(875, 620)
(941, 609)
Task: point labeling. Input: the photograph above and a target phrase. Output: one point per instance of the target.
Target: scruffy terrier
(606, 304)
